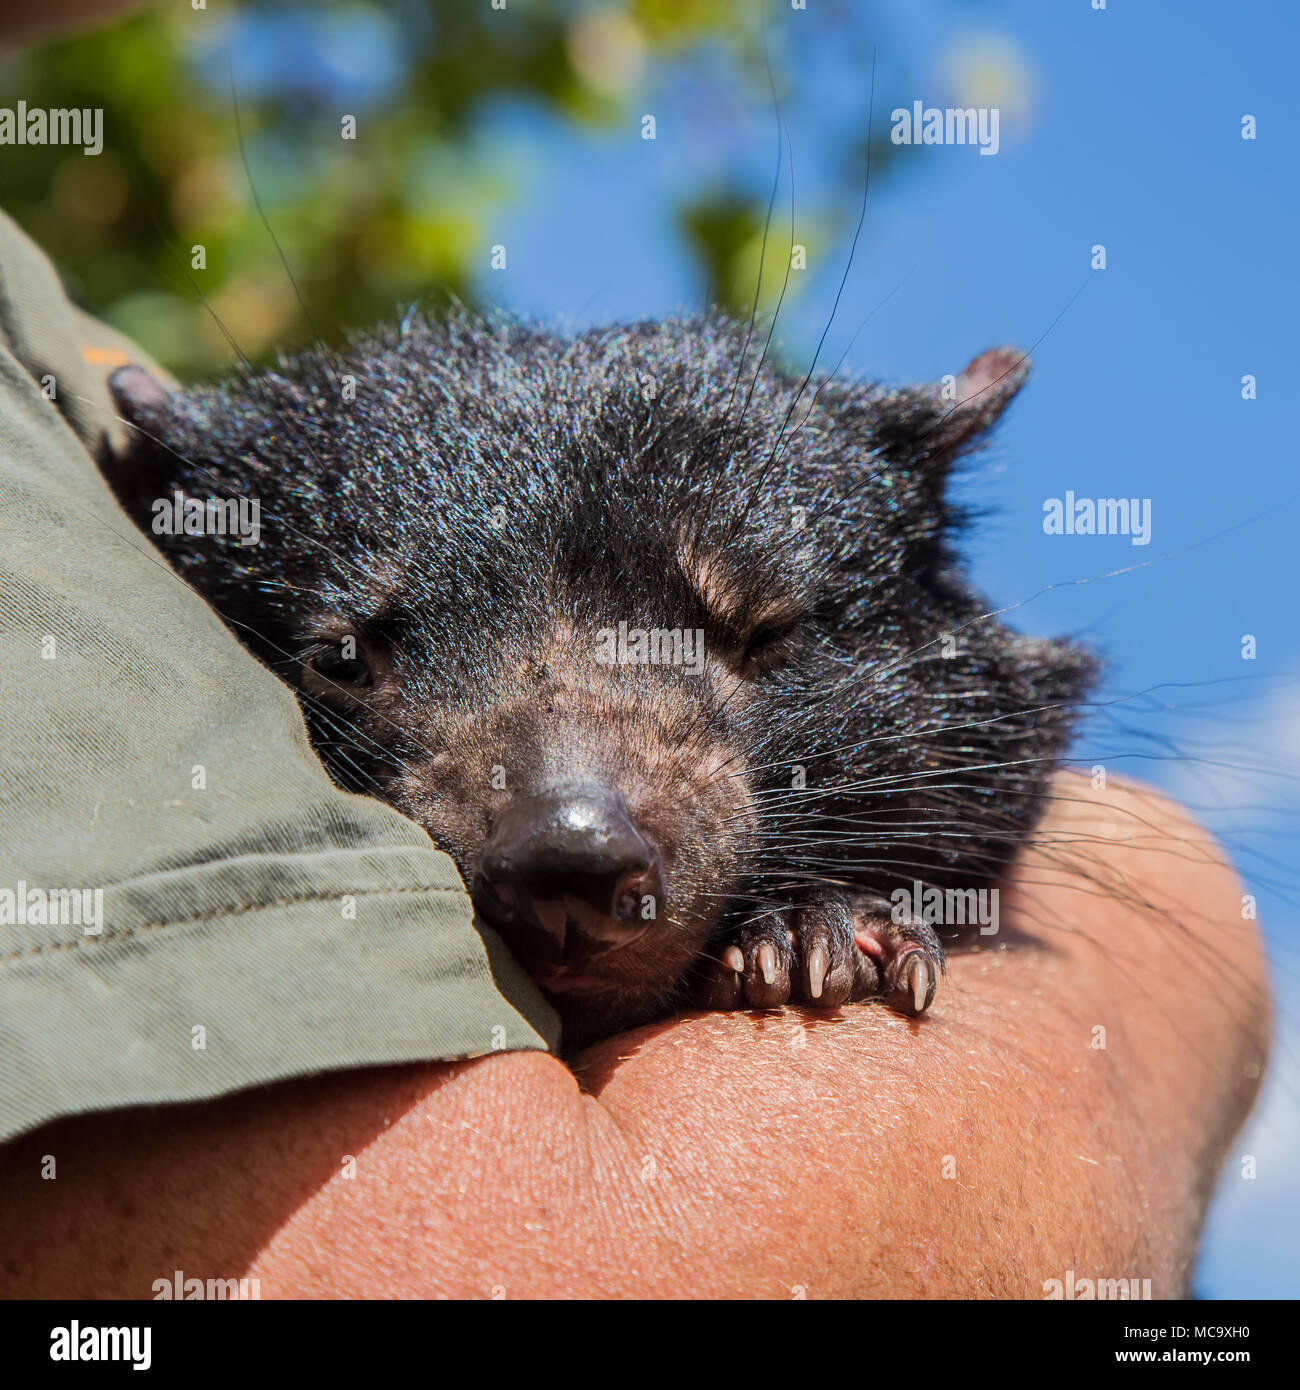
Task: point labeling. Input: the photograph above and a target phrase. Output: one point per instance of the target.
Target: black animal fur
(494, 494)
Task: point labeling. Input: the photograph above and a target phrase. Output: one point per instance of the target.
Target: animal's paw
(907, 956)
(824, 953)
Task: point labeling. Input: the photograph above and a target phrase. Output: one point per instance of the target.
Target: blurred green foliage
(366, 224)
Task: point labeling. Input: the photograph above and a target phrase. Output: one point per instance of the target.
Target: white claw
(918, 975)
(818, 964)
(734, 957)
(767, 962)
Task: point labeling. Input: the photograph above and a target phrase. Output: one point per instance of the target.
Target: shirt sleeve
(188, 905)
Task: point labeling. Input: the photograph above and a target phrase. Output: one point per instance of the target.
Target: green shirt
(188, 905)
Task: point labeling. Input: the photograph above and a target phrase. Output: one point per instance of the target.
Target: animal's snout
(573, 859)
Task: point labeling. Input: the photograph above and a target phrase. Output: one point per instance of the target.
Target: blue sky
(1132, 140)
(1121, 127)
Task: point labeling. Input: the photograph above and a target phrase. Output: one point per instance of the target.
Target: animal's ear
(923, 430)
(972, 404)
(140, 470)
(139, 396)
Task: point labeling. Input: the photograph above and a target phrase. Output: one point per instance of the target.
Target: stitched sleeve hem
(223, 976)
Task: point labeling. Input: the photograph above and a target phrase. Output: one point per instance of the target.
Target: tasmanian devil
(668, 649)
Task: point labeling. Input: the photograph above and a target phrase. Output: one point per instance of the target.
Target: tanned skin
(742, 1154)
(751, 1154)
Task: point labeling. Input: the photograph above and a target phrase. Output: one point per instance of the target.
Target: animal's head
(645, 636)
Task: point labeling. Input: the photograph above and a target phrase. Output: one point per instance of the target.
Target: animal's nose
(578, 849)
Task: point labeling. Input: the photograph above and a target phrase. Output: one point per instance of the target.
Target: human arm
(736, 1154)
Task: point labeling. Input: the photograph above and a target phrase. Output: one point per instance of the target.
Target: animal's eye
(764, 643)
(334, 664)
